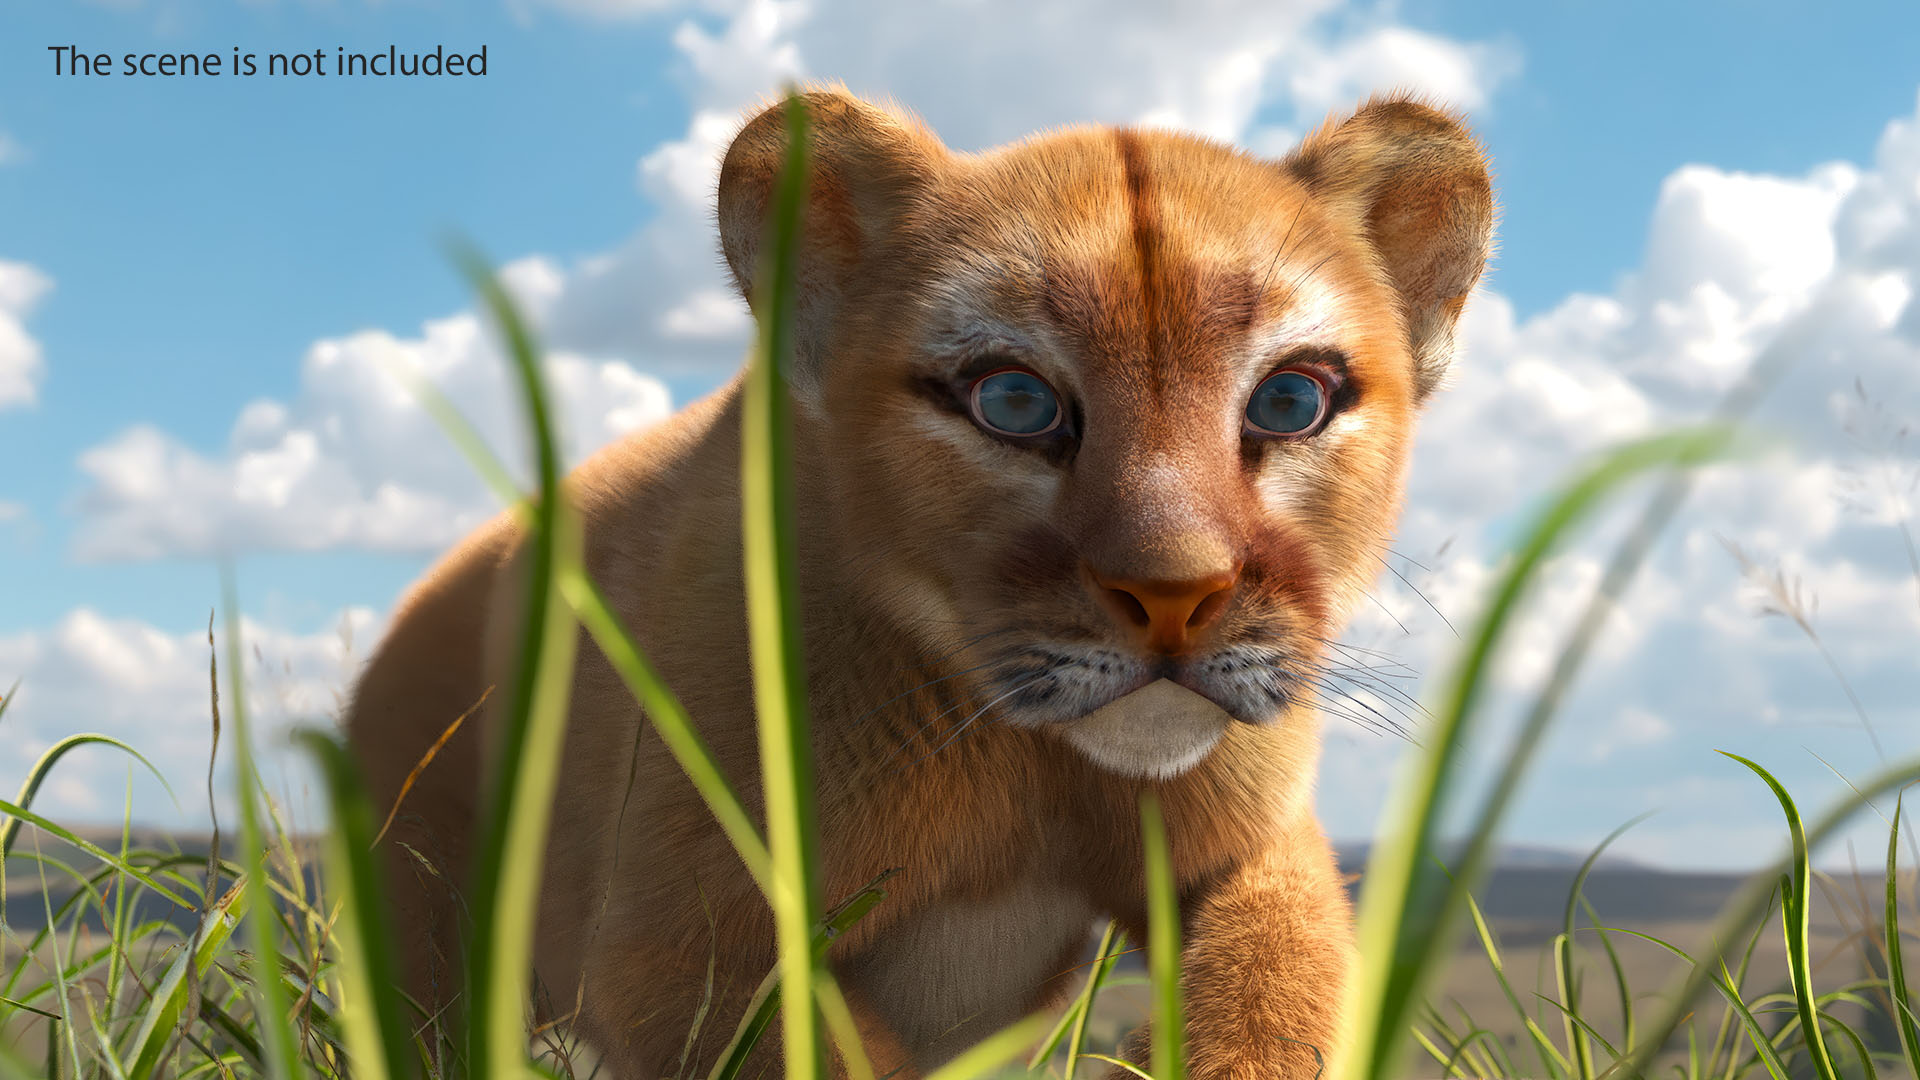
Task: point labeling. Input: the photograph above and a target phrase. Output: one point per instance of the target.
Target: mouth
(1156, 732)
(1053, 684)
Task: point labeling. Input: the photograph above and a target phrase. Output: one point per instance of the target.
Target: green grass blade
(117, 928)
(148, 1046)
(65, 1025)
(669, 718)
(995, 1050)
(1163, 944)
(270, 999)
(1097, 980)
(38, 775)
(1564, 961)
(372, 1018)
(1124, 1066)
(841, 1026)
(773, 608)
(662, 707)
(1740, 914)
(766, 999)
(23, 814)
(1405, 906)
(1073, 1021)
(1794, 908)
(1896, 961)
(1757, 1032)
(513, 834)
(1621, 986)
(23, 1006)
(1584, 1027)
(1859, 1047)
(1552, 1062)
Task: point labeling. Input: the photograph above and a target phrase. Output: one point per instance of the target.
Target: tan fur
(1154, 279)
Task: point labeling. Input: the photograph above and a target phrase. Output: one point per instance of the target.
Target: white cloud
(352, 460)
(599, 10)
(21, 366)
(1230, 72)
(11, 152)
(149, 687)
(1818, 268)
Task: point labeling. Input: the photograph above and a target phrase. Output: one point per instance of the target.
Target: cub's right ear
(866, 165)
(1414, 182)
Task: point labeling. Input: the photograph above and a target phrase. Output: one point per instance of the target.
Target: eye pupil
(1015, 403)
(1288, 403)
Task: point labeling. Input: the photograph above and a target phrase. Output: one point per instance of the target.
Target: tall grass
(312, 994)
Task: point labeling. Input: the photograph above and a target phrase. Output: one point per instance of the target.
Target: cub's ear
(866, 164)
(1414, 182)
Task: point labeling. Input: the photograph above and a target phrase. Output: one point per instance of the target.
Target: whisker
(1418, 593)
(923, 686)
(977, 713)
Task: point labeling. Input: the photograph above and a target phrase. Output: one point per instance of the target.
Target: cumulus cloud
(1253, 71)
(148, 686)
(21, 366)
(353, 460)
(1816, 271)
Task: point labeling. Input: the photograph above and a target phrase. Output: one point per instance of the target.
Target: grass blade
(147, 1048)
(1552, 1062)
(21, 813)
(773, 609)
(1163, 945)
(661, 706)
(992, 1052)
(1564, 964)
(1406, 905)
(513, 835)
(372, 1018)
(1896, 962)
(38, 775)
(669, 718)
(1073, 1021)
(766, 999)
(270, 997)
(1096, 981)
(1794, 915)
(1740, 914)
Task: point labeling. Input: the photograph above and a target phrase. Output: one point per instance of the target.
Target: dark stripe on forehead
(1148, 315)
(1146, 238)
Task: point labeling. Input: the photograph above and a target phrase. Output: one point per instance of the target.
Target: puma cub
(1098, 439)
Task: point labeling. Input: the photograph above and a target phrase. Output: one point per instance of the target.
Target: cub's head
(1110, 413)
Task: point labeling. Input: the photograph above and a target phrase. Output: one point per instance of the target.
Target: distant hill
(1353, 858)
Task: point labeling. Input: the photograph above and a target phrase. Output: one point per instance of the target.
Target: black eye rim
(1327, 383)
(979, 418)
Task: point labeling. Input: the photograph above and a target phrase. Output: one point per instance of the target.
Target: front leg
(1267, 952)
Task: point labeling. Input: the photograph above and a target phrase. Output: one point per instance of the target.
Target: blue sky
(195, 241)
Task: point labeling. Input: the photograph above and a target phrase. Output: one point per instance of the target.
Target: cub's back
(441, 655)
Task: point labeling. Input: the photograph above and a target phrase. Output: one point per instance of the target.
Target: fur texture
(968, 598)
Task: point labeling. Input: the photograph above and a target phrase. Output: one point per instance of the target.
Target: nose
(1168, 613)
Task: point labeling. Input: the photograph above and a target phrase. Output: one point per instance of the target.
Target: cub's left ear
(1413, 181)
(866, 166)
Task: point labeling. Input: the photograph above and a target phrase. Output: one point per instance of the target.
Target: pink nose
(1168, 613)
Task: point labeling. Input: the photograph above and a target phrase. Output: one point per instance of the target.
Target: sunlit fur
(954, 635)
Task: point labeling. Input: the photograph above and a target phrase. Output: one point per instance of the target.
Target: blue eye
(1288, 403)
(1015, 402)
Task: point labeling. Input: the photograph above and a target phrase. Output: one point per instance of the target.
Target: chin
(1154, 733)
